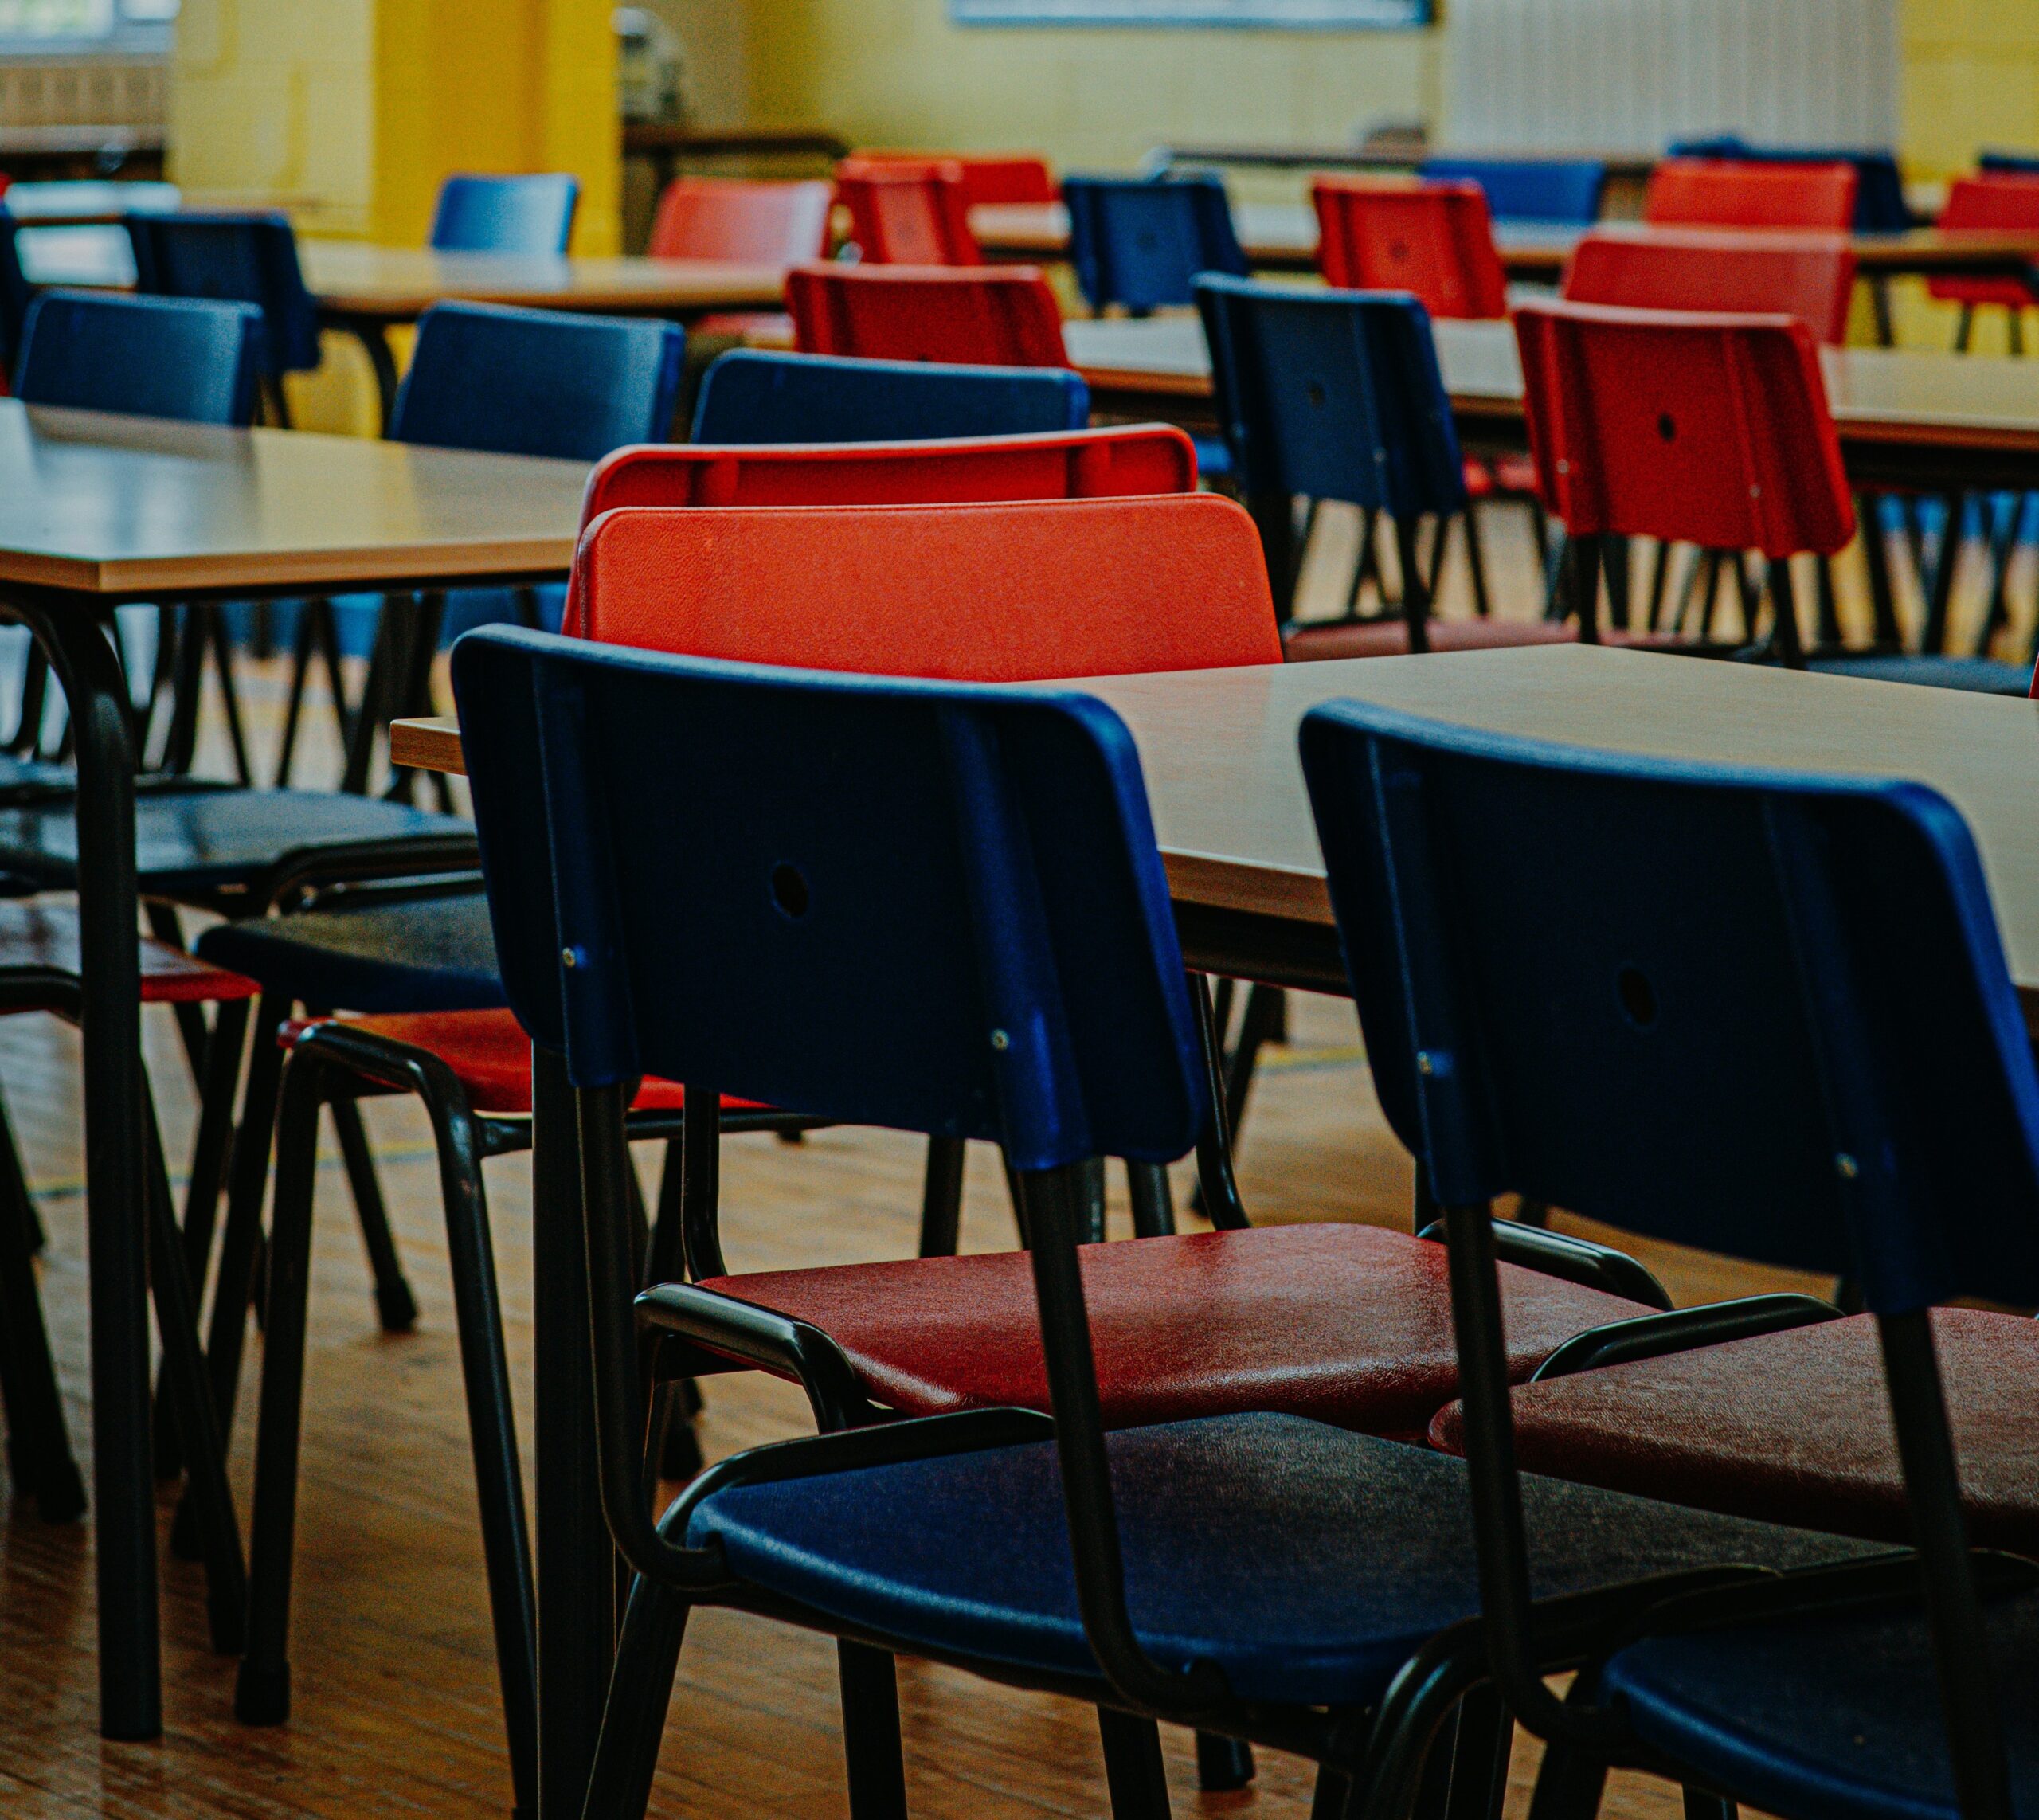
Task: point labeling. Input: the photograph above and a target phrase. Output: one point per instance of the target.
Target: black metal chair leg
(1480, 1751)
(1134, 1772)
(214, 624)
(871, 1750)
(942, 1198)
(1476, 561)
(1264, 1022)
(394, 1303)
(39, 1458)
(640, 1692)
(1153, 1201)
(1701, 1805)
(1223, 1764)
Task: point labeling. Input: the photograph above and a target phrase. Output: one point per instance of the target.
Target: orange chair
(756, 224)
(1811, 277)
(1718, 193)
(1435, 241)
(1000, 177)
(908, 213)
(1000, 316)
(2005, 202)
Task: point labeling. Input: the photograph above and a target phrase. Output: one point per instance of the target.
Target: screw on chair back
(537, 381)
(1736, 271)
(1527, 189)
(235, 258)
(148, 357)
(1705, 429)
(993, 178)
(1880, 205)
(984, 316)
(1723, 193)
(723, 218)
(1141, 242)
(908, 213)
(2002, 200)
(999, 592)
(1760, 1012)
(751, 395)
(1435, 241)
(505, 214)
(14, 291)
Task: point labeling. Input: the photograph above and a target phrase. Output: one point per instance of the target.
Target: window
(84, 26)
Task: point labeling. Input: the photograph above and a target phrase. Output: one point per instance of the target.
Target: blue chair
(1833, 1075)
(869, 869)
(1140, 242)
(147, 356)
(749, 395)
(505, 214)
(1565, 190)
(1880, 205)
(14, 292)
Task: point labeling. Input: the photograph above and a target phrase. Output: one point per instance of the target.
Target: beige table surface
(135, 505)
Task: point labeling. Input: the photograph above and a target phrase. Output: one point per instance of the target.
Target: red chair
(1811, 277)
(1710, 193)
(2005, 202)
(1435, 241)
(755, 223)
(992, 179)
(908, 213)
(1000, 316)
(1713, 430)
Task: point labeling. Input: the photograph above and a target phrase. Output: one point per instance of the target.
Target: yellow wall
(1971, 81)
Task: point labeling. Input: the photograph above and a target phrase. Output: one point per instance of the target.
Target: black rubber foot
(1223, 1764)
(262, 1696)
(397, 1306)
(227, 1619)
(59, 1497)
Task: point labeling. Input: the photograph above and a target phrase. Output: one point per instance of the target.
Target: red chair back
(907, 213)
(1003, 592)
(1720, 193)
(756, 224)
(1000, 316)
(2006, 202)
(1811, 277)
(1432, 239)
(1705, 429)
(998, 176)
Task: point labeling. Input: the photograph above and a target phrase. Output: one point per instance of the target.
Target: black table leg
(123, 1479)
(576, 1559)
(373, 335)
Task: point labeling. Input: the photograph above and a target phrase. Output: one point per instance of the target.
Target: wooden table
(98, 510)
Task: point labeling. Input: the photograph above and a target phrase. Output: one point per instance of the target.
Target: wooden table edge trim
(428, 744)
(393, 566)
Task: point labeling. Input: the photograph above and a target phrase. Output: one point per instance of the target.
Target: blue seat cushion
(1836, 1719)
(1307, 1562)
(214, 840)
(1214, 457)
(419, 954)
(1979, 675)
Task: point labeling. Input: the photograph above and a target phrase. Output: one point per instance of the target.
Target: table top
(1219, 750)
(136, 506)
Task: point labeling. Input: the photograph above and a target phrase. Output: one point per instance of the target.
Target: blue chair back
(505, 214)
(1879, 203)
(1759, 1012)
(1141, 242)
(238, 259)
(749, 395)
(14, 292)
(1528, 189)
(934, 907)
(537, 381)
(1333, 394)
(2014, 163)
(148, 356)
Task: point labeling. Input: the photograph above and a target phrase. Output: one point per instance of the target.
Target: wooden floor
(396, 1709)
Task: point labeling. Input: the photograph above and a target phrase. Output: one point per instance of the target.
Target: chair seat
(1345, 1324)
(1838, 1719)
(1794, 1427)
(1390, 637)
(1979, 675)
(39, 939)
(425, 953)
(1305, 1561)
(212, 841)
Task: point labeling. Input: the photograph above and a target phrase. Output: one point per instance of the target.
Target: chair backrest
(1001, 316)
(1832, 1073)
(1332, 395)
(2009, 163)
(1705, 429)
(506, 214)
(234, 258)
(537, 381)
(1527, 189)
(2007, 202)
(148, 356)
(14, 291)
(1880, 205)
(749, 395)
(1728, 193)
(1435, 241)
(1811, 277)
(756, 224)
(1141, 241)
(951, 895)
(987, 176)
(908, 213)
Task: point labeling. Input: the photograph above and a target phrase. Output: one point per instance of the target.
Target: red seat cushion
(1390, 638)
(40, 935)
(1350, 1324)
(1794, 1427)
